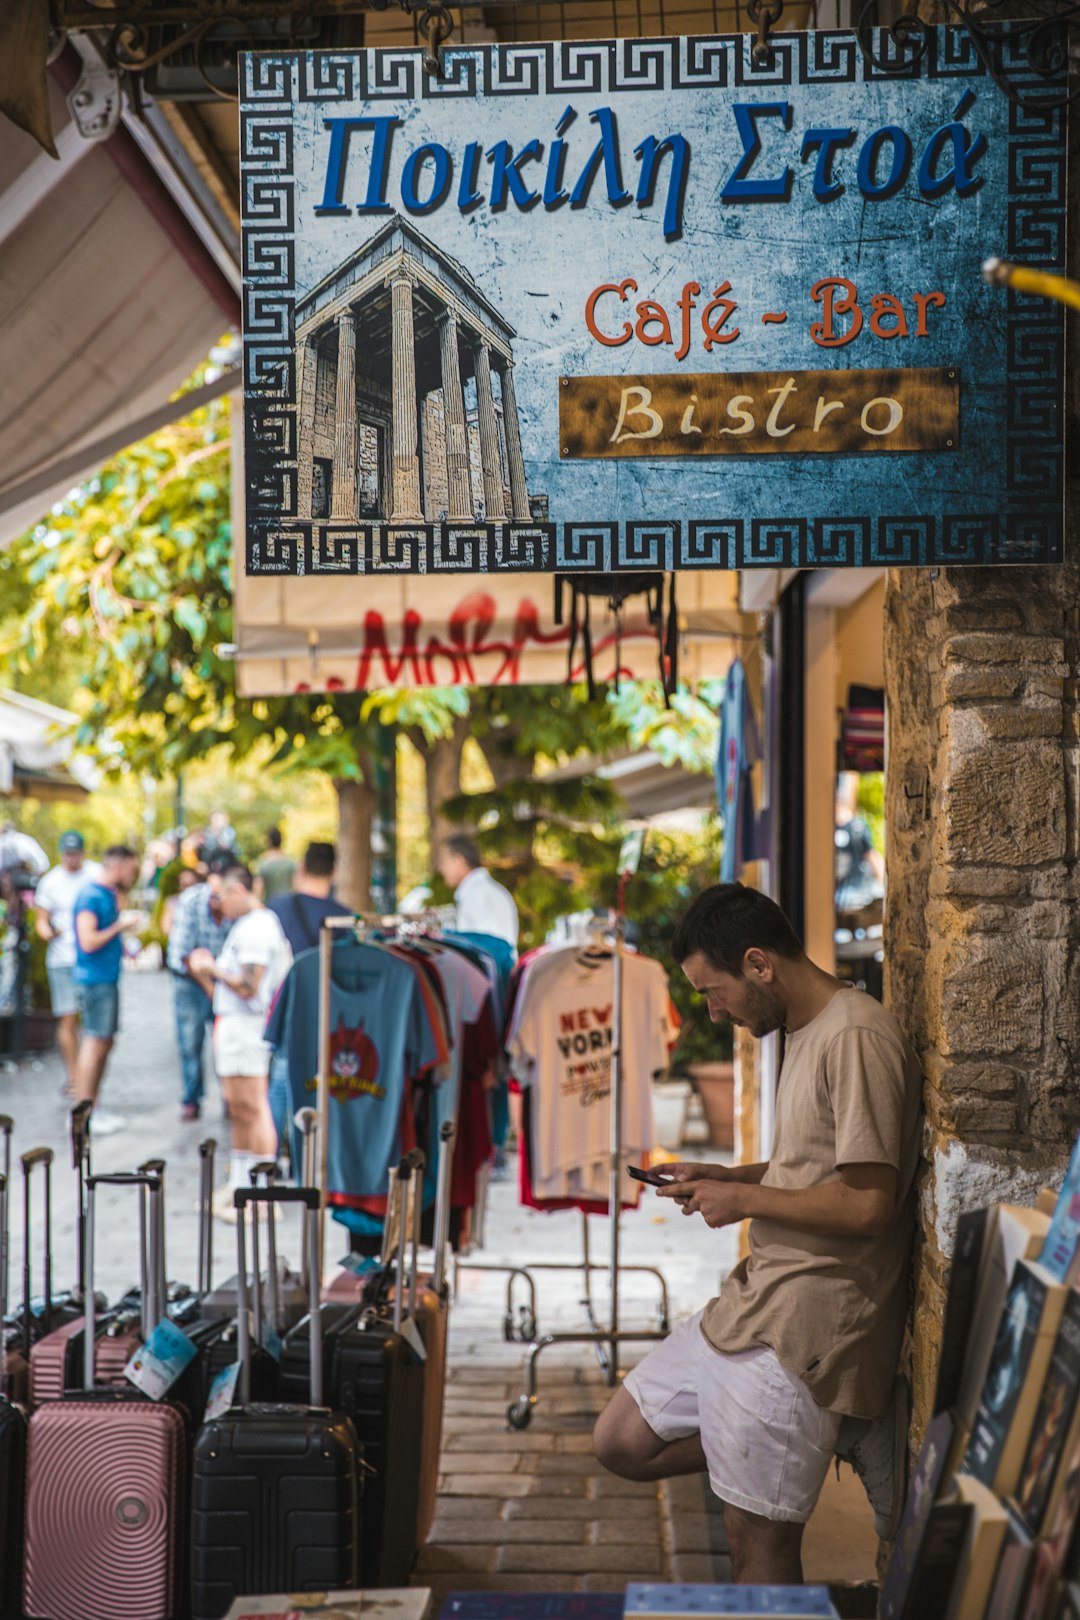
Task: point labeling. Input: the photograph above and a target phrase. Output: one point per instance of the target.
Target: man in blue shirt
(198, 921)
(300, 913)
(99, 954)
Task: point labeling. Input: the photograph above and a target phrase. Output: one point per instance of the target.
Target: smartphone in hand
(653, 1177)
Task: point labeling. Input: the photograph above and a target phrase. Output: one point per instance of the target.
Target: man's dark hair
(320, 860)
(273, 838)
(219, 864)
(237, 872)
(119, 852)
(461, 844)
(728, 920)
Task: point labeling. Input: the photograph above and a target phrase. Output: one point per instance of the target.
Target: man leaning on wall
(795, 1361)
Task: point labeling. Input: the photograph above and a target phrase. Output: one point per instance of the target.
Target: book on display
(1012, 1233)
(1015, 1377)
(981, 1550)
(647, 1601)
(1061, 1250)
(964, 1269)
(902, 1574)
(412, 1603)
(1013, 1574)
(1053, 1434)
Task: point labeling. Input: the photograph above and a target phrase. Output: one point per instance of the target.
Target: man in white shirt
(483, 905)
(54, 919)
(243, 980)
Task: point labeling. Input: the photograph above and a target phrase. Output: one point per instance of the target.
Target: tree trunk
(442, 766)
(358, 803)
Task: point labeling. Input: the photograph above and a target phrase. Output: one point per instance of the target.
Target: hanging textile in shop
(649, 305)
(738, 752)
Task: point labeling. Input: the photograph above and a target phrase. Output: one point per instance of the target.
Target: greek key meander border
(1030, 530)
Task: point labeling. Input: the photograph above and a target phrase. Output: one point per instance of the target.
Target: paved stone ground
(521, 1511)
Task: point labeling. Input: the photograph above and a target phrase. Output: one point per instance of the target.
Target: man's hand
(692, 1170)
(201, 961)
(718, 1202)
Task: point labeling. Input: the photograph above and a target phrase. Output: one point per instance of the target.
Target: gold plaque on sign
(740, 413)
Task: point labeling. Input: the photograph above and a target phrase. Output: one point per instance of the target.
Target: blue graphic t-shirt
(103, 966)
(380, 1037)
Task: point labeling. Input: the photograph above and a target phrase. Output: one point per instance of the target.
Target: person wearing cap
(54, 919)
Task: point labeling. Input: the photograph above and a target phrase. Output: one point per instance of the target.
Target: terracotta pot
(715, 1083)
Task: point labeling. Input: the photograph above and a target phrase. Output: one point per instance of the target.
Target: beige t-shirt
(833, 1309)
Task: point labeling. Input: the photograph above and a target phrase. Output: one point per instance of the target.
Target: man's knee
(622, 1440)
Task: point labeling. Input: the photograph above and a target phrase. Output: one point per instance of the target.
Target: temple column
(307, 365)
(519, 494)
(489, 435)
(406, 506)
(459, 485)
(344, 499)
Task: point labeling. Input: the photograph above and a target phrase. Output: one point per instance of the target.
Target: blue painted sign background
(813, 185)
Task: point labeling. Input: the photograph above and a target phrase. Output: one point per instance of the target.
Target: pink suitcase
(105, 1495)
(56, 1364)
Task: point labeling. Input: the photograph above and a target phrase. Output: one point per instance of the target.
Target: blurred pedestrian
(275, 872)
(100, 922)
(244, 979)
(54, 920)
(300, 913)
(483, 905)
(198, 922)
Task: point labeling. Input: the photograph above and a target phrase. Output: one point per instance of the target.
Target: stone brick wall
(982, 923)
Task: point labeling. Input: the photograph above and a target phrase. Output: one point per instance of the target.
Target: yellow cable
(1000, 273)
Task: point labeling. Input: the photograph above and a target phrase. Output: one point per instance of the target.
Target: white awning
(37, 751)
(105, 306)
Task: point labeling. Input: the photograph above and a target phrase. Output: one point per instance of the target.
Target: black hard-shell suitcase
(377, 1377)
(275, 1501)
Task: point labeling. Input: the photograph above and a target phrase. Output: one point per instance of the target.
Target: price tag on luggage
(222, 1394)
(157, 1364)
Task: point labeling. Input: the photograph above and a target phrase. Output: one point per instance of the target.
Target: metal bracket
(96, 102)
(436, 25)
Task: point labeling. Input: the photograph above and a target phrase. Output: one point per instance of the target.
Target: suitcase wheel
(519, 1412)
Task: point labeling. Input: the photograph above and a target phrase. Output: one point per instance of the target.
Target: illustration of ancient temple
(406, 409)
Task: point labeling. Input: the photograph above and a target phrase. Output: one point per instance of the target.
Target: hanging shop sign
(630, 305)
(400, 632)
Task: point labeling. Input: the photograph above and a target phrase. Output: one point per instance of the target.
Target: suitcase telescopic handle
(148, 1184)
(309, 1198)
(43, 1157)
(306, 1121)
(404, 1176)
(155, 1283)
(80, 1135)
(266, 1170)
(442, 1205)
(207, 1152)
(7, 1125)
(3, 1263)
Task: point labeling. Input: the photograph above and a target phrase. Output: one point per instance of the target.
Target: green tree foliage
(118, 605)
(126, 589)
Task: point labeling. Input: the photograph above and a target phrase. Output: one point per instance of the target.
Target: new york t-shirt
(380, 1038)
(561, 1045)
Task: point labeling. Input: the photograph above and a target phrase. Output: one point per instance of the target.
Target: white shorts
(239, 1047)
(767, 1442)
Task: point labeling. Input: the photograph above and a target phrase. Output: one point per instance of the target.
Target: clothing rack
(360, 924)
(605, 1337)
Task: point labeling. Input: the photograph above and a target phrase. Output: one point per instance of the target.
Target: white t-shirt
(484, 907)
(257, 940)
(56, 894)
(561, 1047)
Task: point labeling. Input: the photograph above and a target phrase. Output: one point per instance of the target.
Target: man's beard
(763, 1011)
